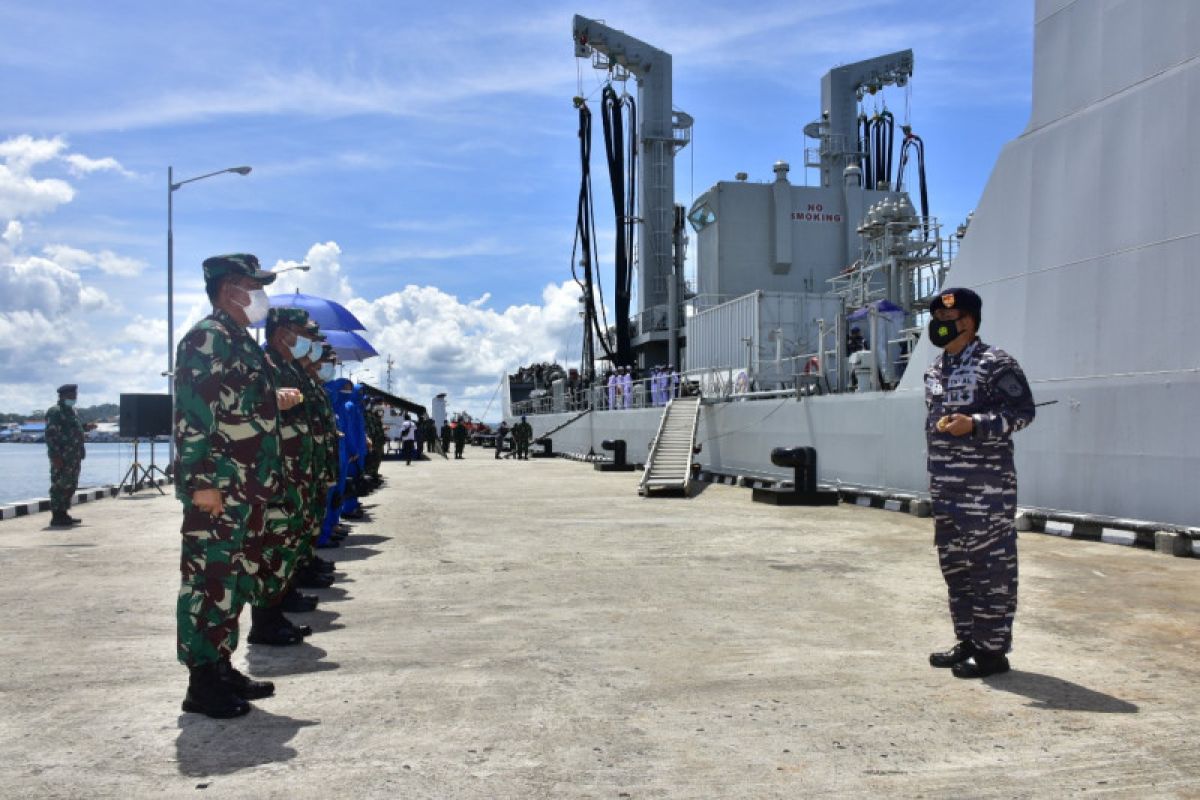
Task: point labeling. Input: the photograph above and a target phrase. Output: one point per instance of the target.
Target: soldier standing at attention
(447, 432)
(287, 515)
(977, 398)
(64, 443)
(228, 470)
(460, 438)
(522, 435)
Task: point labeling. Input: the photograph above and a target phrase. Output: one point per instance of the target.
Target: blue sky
(422, 158)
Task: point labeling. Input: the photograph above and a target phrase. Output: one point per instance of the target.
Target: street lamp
(172, 186)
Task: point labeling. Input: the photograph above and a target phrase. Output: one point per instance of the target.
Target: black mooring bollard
(547, 446)
(804, 491)
(618, 464)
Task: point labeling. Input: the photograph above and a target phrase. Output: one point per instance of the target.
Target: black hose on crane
(865, 149)
(883, 127)
(585, 242)
(889, 122)
(911, 140)
(614, 143)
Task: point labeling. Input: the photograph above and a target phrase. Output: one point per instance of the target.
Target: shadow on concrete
(299, 659)
(1055, 694)
(318, 620)
(347, 554)
(331, 594)
(224, 746)
(355, 539)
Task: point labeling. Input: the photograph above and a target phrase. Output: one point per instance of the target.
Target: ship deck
(537, 630)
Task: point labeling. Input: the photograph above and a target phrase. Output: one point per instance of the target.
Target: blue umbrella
(329, 315)
(348, 345)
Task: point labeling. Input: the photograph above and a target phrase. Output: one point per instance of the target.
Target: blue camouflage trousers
(976, 538)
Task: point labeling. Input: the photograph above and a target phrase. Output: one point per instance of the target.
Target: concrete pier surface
(535, 629)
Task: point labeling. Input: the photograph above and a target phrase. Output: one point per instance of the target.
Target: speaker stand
(137, 475)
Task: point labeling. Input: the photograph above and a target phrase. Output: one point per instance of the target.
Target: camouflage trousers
(312, 522)
(280, 550)
(219, 568)
(976, 537)
(63, 483)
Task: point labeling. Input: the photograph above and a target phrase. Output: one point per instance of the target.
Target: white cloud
(38, 285)
(439, 342)
(13, 233)
(323, 279)
(106, 261)
(82, 165)
(22, 194)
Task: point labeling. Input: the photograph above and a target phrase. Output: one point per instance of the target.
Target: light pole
(171, 187)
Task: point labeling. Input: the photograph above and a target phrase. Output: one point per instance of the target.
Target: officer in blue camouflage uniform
(228, 470)
(64, 444)
(977, 398)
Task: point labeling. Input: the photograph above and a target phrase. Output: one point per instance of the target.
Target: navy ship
(1081, 247)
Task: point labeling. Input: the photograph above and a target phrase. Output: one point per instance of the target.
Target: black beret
(68, 388)
(963, 299)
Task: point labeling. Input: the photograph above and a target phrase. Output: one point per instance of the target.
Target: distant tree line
(89, 414)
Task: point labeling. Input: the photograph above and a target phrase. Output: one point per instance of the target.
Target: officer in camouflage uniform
(447, 432)
(977, 398)
(228, 471)
(313, 571)
(522, 434)
(287, 348)
(377, 437)
(64, 443)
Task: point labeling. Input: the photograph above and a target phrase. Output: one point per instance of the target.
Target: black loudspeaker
(145, 415)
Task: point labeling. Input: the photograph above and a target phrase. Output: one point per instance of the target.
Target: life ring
(741, 384)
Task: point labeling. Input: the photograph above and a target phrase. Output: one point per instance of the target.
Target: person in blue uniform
(338, 390)
(976, 398)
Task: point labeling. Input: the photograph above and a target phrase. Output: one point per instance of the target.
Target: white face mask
(256, 310)
(301, 348)
(326, 372)
(69, 402)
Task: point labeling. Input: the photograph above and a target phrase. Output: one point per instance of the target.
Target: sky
(422, 159)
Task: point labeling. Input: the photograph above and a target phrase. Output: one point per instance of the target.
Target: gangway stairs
(669, 466)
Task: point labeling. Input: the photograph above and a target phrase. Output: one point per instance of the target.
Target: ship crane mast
(662, 133)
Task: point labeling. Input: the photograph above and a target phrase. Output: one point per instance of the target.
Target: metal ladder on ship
(669, 466)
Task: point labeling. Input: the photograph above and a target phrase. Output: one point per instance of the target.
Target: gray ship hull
(1083, 248)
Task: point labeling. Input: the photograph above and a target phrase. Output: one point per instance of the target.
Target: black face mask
(942, 333)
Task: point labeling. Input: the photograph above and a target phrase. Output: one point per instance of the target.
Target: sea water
(25, 468)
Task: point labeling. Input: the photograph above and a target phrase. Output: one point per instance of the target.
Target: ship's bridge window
(701, 217)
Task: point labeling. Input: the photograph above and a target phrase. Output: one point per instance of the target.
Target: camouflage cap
(68, 388)
(236, 264)
(313, 331)
(326, 353)
(288, 316)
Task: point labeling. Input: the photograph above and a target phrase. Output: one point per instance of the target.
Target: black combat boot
(208, 694)
(268, 626)
(60, 520)
(955, 655)
(981, 665)
(244, 686)
(75, 520)
(307, 579)
(298, 603)
(322, 566)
